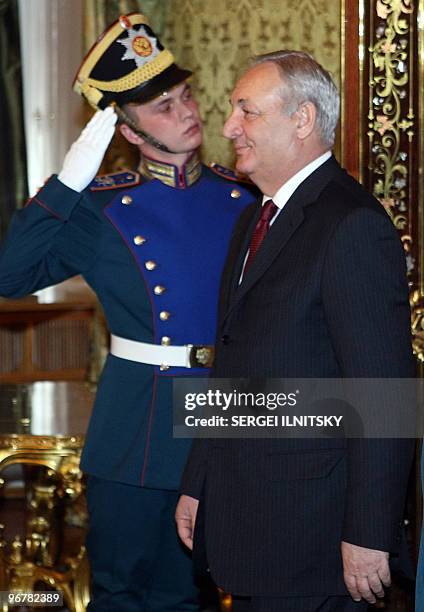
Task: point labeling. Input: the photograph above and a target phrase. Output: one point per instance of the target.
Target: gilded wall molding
(391, 117)
(417, 295)
(394, 148)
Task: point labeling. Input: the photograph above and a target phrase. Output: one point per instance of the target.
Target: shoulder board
(229, 174)
(117, 180)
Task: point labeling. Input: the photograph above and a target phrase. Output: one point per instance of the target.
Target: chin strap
(147, 137)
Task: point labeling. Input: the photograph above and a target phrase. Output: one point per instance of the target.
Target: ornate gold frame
(26, 562)
(389, 62)
(417, 295)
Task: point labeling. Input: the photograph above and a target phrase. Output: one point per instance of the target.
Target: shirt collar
(286, 191)
(169, 174)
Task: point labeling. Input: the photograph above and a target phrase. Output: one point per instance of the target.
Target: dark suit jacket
(326, 296)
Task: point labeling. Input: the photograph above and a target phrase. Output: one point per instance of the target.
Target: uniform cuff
(58, 199)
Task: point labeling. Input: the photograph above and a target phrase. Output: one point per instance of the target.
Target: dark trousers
(297, 604)
(137, 562)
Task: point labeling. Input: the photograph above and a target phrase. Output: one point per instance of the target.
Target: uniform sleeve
(53, 238)
(365, 299)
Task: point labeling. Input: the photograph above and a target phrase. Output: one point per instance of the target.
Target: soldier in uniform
(152, 244)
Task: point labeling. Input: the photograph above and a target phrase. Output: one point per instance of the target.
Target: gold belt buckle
(201, 355)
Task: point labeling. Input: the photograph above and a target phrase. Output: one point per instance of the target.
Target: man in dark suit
(314, 287)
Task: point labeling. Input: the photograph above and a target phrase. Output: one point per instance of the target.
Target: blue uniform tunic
(153, 250)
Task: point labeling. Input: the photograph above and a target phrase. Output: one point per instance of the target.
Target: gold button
(159, 290)
(235, 193)
(164, 315)
(150, 265)
(126, 199)
(165, 341)
(139, 240)
(163, 366)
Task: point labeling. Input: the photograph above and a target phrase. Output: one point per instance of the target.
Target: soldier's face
(173, 118)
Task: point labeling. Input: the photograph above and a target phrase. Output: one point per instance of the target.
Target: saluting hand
(83, 159)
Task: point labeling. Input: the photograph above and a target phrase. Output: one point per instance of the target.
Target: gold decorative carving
(53, 493)
(417, 325)
(393, 133)
(391, 114)
(417, 297)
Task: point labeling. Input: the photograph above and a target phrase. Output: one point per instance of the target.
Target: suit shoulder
(347, 195)
(347, 209)
(116, 180)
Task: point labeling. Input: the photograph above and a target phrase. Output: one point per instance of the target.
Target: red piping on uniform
(149, 428)
(154, 336)
(52, 212)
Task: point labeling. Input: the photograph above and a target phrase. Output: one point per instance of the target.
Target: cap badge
(140, 47)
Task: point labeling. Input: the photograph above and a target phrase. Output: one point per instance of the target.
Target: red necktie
(268, 211)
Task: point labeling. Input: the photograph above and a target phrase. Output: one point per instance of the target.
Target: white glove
(83, 159)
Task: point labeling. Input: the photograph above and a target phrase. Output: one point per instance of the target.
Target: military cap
(127, 63)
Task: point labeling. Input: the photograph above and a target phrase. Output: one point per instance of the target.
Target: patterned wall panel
(391, 140)
(215, 39)
(99, 14)
(392, 114)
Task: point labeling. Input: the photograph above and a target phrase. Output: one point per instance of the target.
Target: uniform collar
(170, 174)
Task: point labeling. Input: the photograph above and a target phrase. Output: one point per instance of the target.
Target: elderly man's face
(264, 137)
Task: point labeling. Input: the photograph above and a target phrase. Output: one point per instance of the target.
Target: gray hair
(305, 80)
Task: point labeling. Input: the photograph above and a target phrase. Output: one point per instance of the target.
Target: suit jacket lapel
(280, 232)
(241, 250)
(234, 257)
